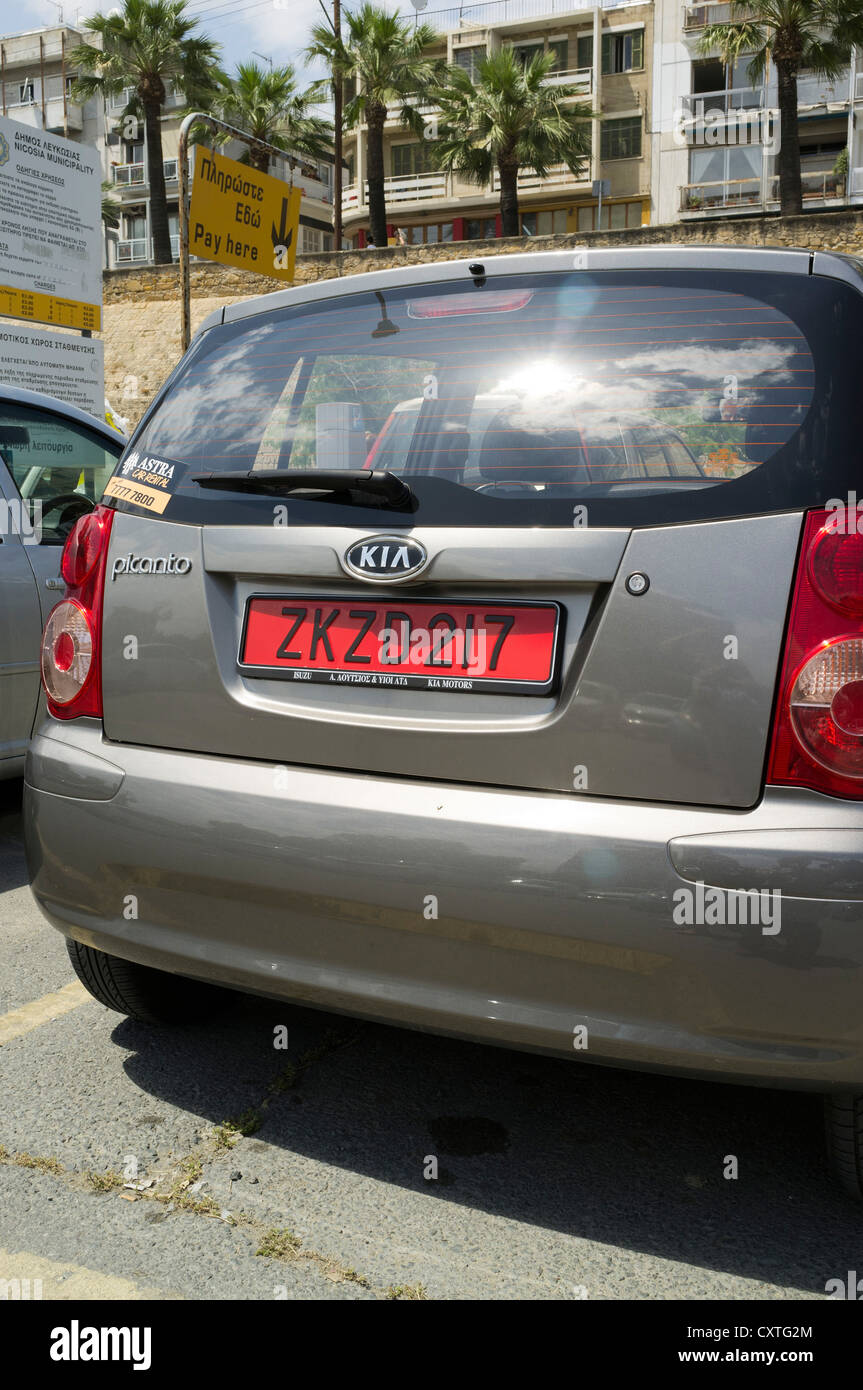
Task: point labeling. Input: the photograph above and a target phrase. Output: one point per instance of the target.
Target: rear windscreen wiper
(382, 484)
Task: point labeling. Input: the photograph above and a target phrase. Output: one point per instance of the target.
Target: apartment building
(603, 49)
(36, 85)
(730, 172)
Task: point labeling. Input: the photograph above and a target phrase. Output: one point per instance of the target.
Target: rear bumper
(511, 917)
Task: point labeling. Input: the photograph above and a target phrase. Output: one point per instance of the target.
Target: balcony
(489, 13)
(438, 187)
(819, 186)
(580, 78)
(400, 188)
(732, 99)
(134, 250)
(821, 91)
(133, 175)
(118, 103)
(558, 176)
(699, 16)
(59, 115)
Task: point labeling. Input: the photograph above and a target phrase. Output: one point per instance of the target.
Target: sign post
(237, 215)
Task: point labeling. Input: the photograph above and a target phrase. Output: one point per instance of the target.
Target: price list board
(49, 309)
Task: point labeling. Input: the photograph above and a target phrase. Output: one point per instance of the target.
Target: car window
(533, 391)
(57, 465)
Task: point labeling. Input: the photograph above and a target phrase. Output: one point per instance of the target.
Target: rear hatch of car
(533, 527)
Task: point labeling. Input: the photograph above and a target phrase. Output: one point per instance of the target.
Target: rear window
(644, 397)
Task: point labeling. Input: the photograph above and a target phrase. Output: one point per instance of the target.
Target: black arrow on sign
(283, 237)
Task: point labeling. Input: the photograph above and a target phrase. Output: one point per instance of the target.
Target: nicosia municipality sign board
(50, 228)
(241, 217)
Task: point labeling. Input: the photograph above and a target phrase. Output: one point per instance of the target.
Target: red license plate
(426, 644)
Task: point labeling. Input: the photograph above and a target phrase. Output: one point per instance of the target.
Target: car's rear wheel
(844, 1118)
(152, 996)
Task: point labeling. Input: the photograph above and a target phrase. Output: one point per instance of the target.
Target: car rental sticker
(140, 496)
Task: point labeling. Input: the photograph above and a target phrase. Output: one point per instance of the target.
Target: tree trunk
(510, 221)
(376, 116)
(790, 183)
(156, 174)
(259, 158)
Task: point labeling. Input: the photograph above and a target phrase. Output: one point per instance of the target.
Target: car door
(52, 469)
(20, 628)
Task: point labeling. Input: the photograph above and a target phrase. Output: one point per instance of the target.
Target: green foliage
(385, 57)
(510, 114)
(267, 103)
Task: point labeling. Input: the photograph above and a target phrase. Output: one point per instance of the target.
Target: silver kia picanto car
(549, 731)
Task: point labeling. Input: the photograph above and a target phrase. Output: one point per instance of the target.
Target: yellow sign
(49, 308)
(241, 217)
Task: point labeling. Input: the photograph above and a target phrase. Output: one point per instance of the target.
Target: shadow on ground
(623, 1158)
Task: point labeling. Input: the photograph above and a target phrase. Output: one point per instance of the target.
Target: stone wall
(142, 309)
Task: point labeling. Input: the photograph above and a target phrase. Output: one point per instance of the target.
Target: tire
(844, 1122)
(139, 991)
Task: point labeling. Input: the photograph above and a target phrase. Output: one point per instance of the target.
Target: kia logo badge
(385, 559)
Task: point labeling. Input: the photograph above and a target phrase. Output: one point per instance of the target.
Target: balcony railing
(581, 78)
(559, 176)
(732, 99)
(135, 249)
(819, 185)
(53, 86)
(491, 12)
(133, 175)
(435, 186)
(122, 99)
(818, 91)
(699, 16)
(127, 174)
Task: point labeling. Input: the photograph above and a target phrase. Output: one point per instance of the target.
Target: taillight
(71, 642)
(818, 730)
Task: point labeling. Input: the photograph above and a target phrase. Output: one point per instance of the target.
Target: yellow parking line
(33, 1015)
(24, 1275)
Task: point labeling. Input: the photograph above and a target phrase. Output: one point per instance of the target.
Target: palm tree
(111, 208)
(267, 104)
(143, 46)
(509, 119)
(385, 56)
(794, 34)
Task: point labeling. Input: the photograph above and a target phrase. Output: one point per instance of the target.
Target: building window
(621, 139)
(133, 151)
(425, 235)
(548, 222)
(614, 215)
(584, 50)
(480, 228)
(26, 92)
(560, 49)
(411, 159)
(526, 52)
(623, 52)
(470, 59)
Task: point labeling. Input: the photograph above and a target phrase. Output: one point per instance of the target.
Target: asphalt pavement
(368, 1162)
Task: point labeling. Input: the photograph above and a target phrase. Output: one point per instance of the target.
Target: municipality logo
(4, 150)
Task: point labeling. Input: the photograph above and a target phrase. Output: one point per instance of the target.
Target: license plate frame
(437, 680)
